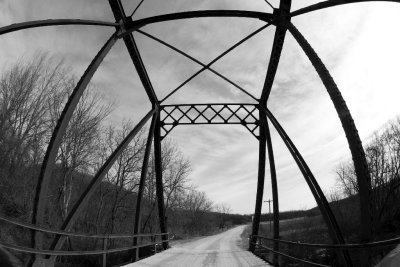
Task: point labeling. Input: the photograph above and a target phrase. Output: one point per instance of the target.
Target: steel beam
(47, 167)
(332, 3)
(350, 129)
(329, 218)
(133, 25)
(53, 22)
(274, 186)
(137, 7)
(221, 113)
(142, 182)
(81, 203)
(215, 60)
(261, 178)
(119, 14)
(198, 62)
(159, 181)
(209, 104)
(280, 15)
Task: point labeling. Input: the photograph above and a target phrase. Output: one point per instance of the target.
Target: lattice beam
(187, 114)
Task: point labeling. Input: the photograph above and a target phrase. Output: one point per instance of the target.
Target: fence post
(136, 251)
(155, 244)
(104, 252)
(250, 239)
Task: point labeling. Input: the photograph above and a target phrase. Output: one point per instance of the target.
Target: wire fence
(156, 240)
(260, 243)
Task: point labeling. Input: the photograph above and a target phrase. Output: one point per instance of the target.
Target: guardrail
(257, 241)
(105, 238)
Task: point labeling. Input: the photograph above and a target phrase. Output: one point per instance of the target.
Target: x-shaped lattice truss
(244, 114)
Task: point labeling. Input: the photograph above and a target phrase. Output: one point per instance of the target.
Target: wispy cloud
(356, 42)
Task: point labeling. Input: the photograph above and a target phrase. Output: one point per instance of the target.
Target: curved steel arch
(53, 22)
(55, 141)
(124, 28)
(352, 136)
(329, 218)
(84, 198)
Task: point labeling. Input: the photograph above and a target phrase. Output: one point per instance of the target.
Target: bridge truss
(256, 117)
(187, 114)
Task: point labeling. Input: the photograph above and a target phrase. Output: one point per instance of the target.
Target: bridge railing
(258, 242)
(155, 240)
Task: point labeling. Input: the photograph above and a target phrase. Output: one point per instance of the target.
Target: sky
(357, 42)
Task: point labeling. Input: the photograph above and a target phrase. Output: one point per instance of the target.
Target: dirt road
(218, 250)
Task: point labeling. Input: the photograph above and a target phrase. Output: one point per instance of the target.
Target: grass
(245, 237)
(303, 229)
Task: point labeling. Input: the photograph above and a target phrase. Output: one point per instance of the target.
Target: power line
(269, 209)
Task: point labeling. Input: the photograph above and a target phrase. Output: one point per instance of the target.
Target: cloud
(356, 42)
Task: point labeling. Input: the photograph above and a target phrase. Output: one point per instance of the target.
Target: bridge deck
(177, 257)
(217, 250)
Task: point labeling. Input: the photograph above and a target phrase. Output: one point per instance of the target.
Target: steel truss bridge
(255, 117)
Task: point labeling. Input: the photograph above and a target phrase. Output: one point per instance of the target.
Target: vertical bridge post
(105, 247)
(274, 185)
(261, 178)
(142, 182)
(159, 182)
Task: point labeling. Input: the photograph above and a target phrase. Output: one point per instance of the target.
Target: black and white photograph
(207, 133)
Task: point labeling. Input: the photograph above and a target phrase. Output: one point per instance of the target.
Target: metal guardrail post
(105, 245)
(155, 244)
(261, 175)
(136, 254)
(250, 237)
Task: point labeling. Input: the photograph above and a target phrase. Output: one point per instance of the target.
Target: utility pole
(269, 212)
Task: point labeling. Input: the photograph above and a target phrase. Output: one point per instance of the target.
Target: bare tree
(383, 158)
(346, 179)
(125, 174)
(175, 169)
(197, 205)
(32, 94)
(77, 153)
(222, 210)
(25, 90)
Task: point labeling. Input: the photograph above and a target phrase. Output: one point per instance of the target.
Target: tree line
(383, 158)
(33, 93)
